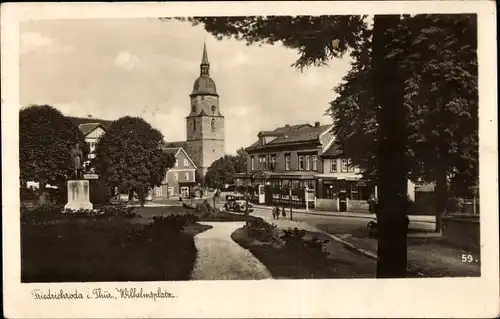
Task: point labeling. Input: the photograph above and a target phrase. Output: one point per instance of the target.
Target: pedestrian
(284, 213)
(276, 212)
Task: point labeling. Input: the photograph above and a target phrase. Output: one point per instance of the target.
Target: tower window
(213, 108)
(213, 124)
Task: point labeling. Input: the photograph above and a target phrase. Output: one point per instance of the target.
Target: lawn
(106, 249)
(284, 263)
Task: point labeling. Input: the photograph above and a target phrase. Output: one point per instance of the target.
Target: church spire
(205, 65)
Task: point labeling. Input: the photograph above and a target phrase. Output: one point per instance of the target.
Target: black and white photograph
(260, 148)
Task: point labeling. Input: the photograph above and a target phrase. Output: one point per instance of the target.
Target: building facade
(282, 163)
(205, 142)
(92, 129)
(179, 180)
(341, 186)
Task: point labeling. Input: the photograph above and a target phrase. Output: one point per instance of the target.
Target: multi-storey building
(91, 128)
(180, 179)
(292, 158)
(287, 158)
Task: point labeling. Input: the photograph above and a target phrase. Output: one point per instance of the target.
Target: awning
(354, 177)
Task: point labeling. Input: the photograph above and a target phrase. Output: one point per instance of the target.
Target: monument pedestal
(78, 195)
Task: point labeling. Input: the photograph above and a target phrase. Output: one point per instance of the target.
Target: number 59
(467, 258)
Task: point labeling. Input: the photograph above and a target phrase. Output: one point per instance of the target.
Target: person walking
(283, 213)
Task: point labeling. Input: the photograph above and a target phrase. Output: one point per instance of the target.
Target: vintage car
(237, 203)
(240, 206)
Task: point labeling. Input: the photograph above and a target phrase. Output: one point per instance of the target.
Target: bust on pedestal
(78, 188)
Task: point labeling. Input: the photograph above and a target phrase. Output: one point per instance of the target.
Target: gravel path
(220, 258)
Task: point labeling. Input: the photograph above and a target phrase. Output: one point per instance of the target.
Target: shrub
(119, 210)
(99, 192)
(28, 194)
(261, 230)
(309, 252)
(41, 213)
(176, 223)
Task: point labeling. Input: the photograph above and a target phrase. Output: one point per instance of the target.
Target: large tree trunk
(441, 185)
(391, 154)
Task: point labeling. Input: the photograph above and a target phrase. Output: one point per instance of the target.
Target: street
(338, 225)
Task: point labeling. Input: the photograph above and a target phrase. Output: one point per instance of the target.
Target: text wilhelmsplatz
(99, 293)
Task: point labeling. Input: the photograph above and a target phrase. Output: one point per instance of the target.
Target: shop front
(342, 194)
(278, 188)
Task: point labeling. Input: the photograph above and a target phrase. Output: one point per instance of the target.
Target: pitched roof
(88, 127)
(90, 120)
(176, 150)
(171, 150)
(293, 134)
(332, 151)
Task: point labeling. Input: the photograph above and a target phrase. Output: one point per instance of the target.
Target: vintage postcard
(250, 159)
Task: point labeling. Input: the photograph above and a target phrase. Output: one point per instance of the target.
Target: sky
(109, 68)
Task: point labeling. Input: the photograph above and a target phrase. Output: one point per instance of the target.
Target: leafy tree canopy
(317, 38)
(130, 156)
(46, 137)
(440, 95)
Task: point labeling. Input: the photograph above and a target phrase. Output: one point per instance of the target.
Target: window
(185, 192)
(213, 108)
(176, 176)
(186, 176)
(186, 162)
(170, 191)
(344, 165)
(264, 160)
(176, 163)
(213, 124)
(301, 162)
(308, 162)
(273, 162)
(252, 163)
(158, 191)
(194, 124)
(314, 163)
(310, 184)
(333, 167)
(287, 162)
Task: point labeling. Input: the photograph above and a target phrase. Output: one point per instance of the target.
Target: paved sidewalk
(415, 218)
(427, 256)
(220, 258)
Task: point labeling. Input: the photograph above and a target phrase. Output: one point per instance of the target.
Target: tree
(442, 93)
(46, 137)
(199, 178)
(440, 60)
(221, 172)
(320, 38)
(129, 156)
(240, 165)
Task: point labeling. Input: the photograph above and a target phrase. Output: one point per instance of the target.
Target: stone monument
(78, 188)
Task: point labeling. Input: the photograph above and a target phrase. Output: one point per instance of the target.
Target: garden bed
(108, 249)
(301, 254)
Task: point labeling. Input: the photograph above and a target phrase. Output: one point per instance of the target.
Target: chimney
(316, 124)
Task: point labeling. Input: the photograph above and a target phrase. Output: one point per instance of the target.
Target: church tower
(205, 123)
